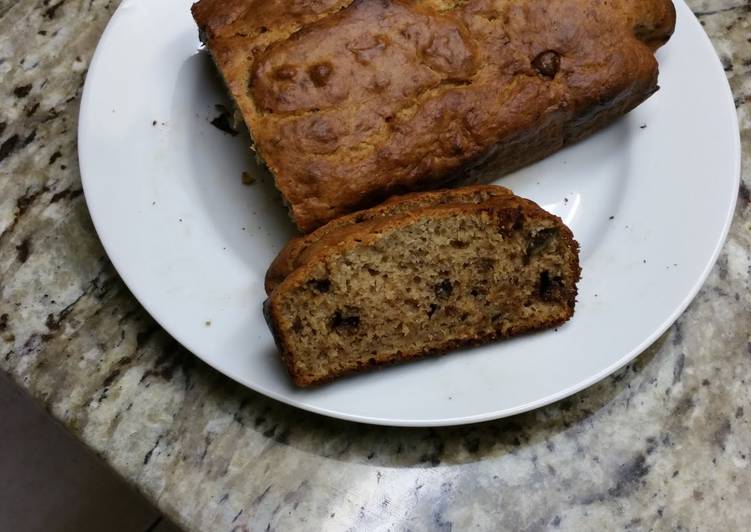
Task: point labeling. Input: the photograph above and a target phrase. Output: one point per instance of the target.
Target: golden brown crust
(507, 208)
(512, 207)
(350, 102)
(287, 260)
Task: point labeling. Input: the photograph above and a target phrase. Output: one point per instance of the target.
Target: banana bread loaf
(349, 102)
(472, 268)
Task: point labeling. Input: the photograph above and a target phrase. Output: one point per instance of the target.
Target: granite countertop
(665, 443)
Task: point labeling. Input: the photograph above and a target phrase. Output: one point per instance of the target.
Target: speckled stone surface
(664, 444)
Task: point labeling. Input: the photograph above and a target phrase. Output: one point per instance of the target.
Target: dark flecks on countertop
(23, 250)
(8, 146)
(29, 110)
(54, 157)
(721, 433)
(744, 193)
(51, 11)
(677, 331)
(722, 267)
(147, 456)
(52, 323)
(22, 91)
(29, 139)
(629, 476)
(683, 406)
(143, 336)
(433, 456)
(66, 194)
(114, 374)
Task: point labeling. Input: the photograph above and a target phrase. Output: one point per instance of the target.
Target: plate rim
(451, 421)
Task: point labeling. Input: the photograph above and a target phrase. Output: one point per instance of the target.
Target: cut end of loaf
(424, 283)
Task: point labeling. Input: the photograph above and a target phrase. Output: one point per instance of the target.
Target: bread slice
(422, 281)
(349, 102)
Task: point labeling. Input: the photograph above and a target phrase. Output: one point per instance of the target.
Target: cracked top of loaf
(349, 102)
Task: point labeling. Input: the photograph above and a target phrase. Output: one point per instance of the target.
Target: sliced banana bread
(414, 282)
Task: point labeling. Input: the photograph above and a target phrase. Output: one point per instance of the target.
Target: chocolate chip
(443, 289)
(320, 73)
(347, 319)
(540, 240)
(433, 308)
(547, 64)
(320, 285)
(459, 244)
(510, 221)
(285, 73)
(549, 287)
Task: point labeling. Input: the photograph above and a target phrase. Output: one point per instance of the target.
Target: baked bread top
(349, 102)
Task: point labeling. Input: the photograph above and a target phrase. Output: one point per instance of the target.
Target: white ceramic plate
(193, 243)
